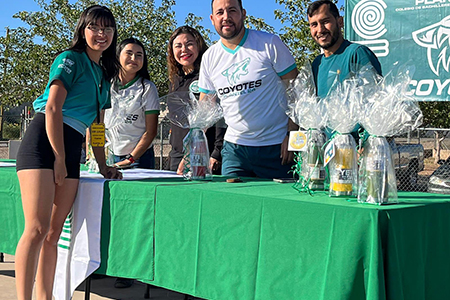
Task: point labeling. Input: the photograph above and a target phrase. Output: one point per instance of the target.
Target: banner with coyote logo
(414, 31)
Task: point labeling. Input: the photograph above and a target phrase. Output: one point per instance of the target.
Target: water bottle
(315, 154)
(198, 155)
(377, 174)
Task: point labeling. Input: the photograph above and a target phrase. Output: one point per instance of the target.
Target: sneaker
(122, 283)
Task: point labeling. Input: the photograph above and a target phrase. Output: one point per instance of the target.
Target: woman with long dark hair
(47, 164)
(185, 51)
(132, 121)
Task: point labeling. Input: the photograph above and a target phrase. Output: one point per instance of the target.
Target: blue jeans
(249, 161)
(146, 161)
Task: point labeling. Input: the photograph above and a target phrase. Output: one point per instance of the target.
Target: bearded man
(340, 57)
(245, 69)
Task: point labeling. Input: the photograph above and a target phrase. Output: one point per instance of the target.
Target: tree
(436, 114)
(295, 33)
(194, 21)
(21, 63)
(27, 53)
(258, 24)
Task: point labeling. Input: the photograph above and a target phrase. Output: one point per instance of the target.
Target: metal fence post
(161, 143)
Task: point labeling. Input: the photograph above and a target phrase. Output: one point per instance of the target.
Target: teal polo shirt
(348, 59)
(81, 78)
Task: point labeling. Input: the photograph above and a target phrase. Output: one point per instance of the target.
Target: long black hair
(100, 15)
(143, 72)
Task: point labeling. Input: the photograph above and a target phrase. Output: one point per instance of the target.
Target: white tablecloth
(79, 244)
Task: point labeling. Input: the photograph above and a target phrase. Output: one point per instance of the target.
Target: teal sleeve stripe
(152, 112)
(287, 70)
(206, 91)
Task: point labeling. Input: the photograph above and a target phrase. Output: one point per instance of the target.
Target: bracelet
(130, 158)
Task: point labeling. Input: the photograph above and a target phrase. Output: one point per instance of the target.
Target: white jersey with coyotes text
(125, 120)
(247, 81)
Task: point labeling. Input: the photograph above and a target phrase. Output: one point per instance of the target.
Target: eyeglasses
(96, 29)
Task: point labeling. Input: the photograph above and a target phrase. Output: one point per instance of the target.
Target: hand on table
(110, 172)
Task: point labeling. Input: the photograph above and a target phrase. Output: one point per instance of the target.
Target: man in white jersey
(246, 68)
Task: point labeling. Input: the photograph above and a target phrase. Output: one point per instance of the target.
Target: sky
(257, 8)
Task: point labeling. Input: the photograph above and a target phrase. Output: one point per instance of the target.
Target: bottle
(376, 173)
(342, 168)
(315, 154)
(198, 155)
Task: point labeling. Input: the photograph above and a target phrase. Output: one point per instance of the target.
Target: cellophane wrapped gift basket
(386, 110)
(197, 115)
(306, 110)
(342, 110)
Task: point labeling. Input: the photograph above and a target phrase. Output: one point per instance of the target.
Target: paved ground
(101, 289)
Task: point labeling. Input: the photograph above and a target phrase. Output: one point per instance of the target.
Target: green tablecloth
(11, 213)
(264, 240)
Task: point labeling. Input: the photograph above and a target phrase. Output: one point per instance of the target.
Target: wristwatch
(130, 158)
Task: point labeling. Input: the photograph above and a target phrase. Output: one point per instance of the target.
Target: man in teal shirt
(339, 55)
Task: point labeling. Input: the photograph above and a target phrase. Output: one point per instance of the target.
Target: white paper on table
(7, 164)
(136, 174)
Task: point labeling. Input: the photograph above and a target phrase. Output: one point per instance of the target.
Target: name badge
(98, 135)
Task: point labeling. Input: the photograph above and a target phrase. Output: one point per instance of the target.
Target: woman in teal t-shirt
(48, 160)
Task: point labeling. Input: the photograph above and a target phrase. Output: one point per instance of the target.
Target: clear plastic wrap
(342, 105)
(306, 110)
(188, 112)
(342, 110)
(377, 175)
(91, 162)
(313, 169)
(120, 108)
(386, 110)
(303, 106)
(343, 167)
(197, 159)
(197, 115)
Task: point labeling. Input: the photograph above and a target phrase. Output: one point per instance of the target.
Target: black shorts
(35, 151)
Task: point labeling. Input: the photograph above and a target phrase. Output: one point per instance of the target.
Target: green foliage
(11, 131)
(26, 53)
(193, 21)
(22, 64)
(295, 32)
(258, 24)
(436, 114)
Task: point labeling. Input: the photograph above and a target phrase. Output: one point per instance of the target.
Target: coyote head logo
(236, 70)
(436, 38)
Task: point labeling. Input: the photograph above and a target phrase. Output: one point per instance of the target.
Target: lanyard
(98, 87)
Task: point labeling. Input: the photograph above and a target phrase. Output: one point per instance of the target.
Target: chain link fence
(161, 144)
(421, 157)
(417, 155)
(12, 127)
